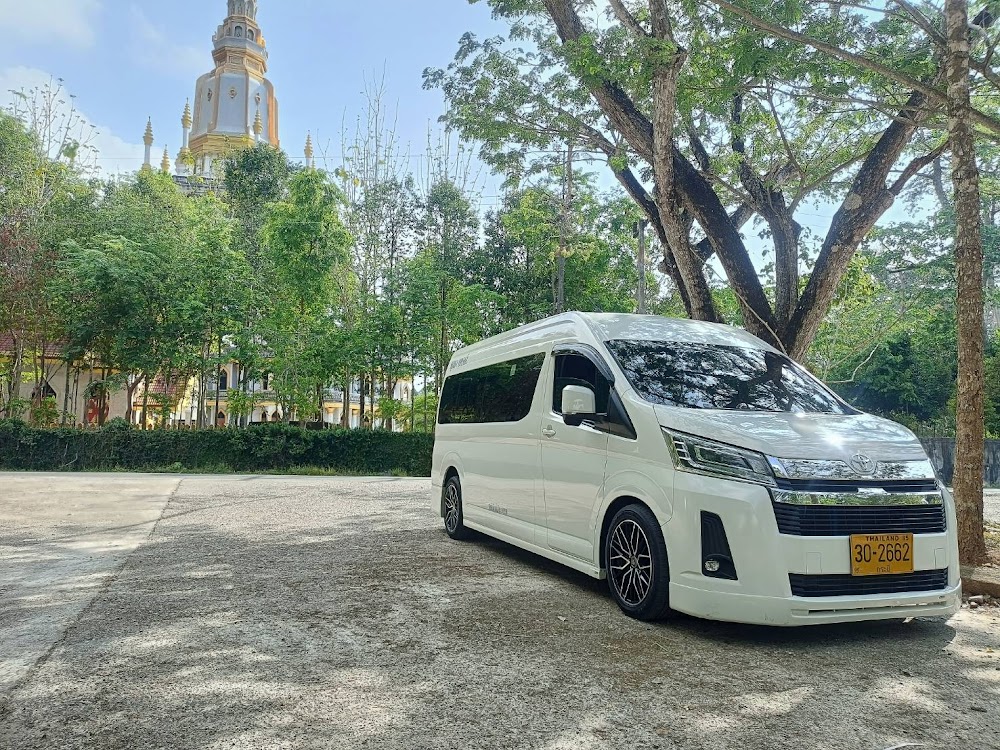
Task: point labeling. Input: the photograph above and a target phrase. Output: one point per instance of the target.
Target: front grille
(848, 585)
(844, 520)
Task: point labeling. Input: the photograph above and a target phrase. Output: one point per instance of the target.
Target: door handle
(549, 432)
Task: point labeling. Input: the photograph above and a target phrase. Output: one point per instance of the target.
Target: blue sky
(126, 60)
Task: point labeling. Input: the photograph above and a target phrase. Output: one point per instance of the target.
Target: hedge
(264, 448)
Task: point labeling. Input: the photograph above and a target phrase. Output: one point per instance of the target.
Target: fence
(942, 453)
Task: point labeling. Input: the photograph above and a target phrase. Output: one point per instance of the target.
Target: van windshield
(708, 376)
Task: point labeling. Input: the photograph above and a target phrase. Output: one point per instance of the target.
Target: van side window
(573, 369)
(497, 393)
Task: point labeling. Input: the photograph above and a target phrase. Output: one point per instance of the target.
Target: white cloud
(65, 21)
(115, 155)
(153, 48)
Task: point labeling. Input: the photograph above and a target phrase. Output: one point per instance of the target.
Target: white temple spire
(147, 164)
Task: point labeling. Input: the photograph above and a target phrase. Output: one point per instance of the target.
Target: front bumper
(764, 558)
(797, 610)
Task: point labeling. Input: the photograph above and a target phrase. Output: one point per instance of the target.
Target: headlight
(701, 456)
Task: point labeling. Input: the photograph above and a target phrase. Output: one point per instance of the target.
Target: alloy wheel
(452, 508)
(630, 564)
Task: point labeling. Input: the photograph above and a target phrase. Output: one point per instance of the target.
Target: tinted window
(497, 393)
(703, 376)
(572, 369)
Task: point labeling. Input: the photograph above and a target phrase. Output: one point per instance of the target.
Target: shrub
(264, 448)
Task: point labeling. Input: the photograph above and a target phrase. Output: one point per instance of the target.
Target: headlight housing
(702, 456)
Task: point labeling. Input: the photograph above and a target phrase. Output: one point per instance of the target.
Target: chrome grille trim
(885, 471)
(868, 496)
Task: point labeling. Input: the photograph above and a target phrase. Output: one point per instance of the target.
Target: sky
(126, 60)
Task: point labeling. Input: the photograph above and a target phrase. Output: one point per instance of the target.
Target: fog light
(712, 566)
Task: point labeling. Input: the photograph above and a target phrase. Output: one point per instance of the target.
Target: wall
(942, 453)
(117, 403)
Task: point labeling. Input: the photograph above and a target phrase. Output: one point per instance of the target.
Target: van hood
(787, 435)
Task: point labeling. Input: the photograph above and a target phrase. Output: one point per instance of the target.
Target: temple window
(223, 380)
(239, 32)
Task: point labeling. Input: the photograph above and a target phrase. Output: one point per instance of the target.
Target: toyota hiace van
(697, 468)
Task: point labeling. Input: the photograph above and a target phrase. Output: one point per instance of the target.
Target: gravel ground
(335, 613)
(991, 506)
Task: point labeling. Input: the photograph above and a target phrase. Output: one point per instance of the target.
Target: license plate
(881, 554)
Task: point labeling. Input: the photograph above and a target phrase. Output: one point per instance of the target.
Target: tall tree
(953, 62)
(969, 448)
(307, 244)
(726, 125)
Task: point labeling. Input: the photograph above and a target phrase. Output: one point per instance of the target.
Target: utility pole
(564, 231)
(640, 232)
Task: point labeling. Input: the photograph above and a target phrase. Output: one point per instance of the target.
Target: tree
(306, 244)
(254, 179)
(42, 203)
(61, 133)
(381, 216)
(700, 106)
(954, 63)
(969, 445)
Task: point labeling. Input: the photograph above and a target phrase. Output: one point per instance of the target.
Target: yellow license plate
(881, 554)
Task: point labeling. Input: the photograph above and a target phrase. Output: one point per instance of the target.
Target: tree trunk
(102, 402)
(425, 401)
(218, 370)
(361, 402)
(130, 400)
(413, 397)
(145, 400)
(65, 407)
(345, 415)
(16, 369)
(76, 395)
(969, 443)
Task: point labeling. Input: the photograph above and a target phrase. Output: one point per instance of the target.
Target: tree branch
(915, 166)
(988, 123)
(610, 96)
(627, 19)
(867, 200)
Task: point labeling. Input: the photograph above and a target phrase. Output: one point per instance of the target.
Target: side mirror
(578, 404)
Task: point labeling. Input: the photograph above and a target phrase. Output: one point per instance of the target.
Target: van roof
(609, 327)
(612, 326)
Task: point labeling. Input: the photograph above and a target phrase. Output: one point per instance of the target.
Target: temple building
(234, 104)
(234, 107)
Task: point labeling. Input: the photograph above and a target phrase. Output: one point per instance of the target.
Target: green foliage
(117, 447)
(306, 239)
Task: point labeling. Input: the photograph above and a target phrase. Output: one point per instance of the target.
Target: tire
(636, 559)
(451, 503)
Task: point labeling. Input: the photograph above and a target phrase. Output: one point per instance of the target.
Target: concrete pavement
(61, 538)
(297, 612)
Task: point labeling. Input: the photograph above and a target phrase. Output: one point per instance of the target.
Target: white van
(697, 468)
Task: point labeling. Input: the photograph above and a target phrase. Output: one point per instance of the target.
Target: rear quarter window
(496, 393)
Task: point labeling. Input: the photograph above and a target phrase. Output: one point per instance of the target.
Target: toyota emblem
(862, 464)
